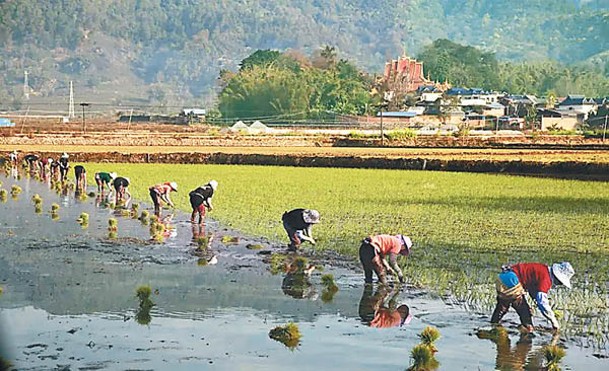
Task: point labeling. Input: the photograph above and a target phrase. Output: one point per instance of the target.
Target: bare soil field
(104, 140)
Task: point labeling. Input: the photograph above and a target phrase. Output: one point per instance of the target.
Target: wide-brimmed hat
(407, 242)
(408, 316)
(563, 272)
(112, 175)
(173, 186)
(65, 155)
(310, 216)
(213, 184)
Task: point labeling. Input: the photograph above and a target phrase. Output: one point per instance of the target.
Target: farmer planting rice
(45, 166)
(31, 160)
(81, 178)
(120, 185)
(375, 249)
(63, 166)
(200, 199)
(13, 158)
(536, 279)
(297, 224)
(160, 192)
(103, 179)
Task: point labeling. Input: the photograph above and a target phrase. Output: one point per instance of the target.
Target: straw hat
(407, 242)
(563, 272)
(174, 186)
(310, 216)
(213, 184)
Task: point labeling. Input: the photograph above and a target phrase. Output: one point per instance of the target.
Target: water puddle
(69, 302)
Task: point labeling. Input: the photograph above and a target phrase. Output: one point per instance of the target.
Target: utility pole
(71, 104)
(605, 127)
(84, 123)
(382, 134)
(26, 86)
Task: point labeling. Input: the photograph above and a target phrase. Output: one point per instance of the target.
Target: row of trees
(289, 86)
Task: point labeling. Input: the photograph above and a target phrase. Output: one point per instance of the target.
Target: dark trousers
(291, 231)
(156, 200)
(519, 304)
(371, 262)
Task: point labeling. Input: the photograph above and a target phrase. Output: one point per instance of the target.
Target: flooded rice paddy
(69, 302)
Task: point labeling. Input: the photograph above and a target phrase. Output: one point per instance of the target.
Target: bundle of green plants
(144, 217)
(1, 290)
(36, 199)
(156, 230)
(142, 316)
(423, 359)
(289, 335)
(83, 219)
(329, 288)
(401, 134)
(91, 194)
(202, 242)
(553, 355)
(135, 210)
(423, 354)
(230, 240)
(112, 225)
(3, 195)
(54, 208)
(277, 263)
(15, 190)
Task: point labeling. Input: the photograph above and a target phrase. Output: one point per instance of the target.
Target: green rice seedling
(125, 212)
(144, 217)
(142, 316)
(5, 364)
(329, 288)
(3, 195)
(289, 335)
(201, 262)
(553, 355)
(112, 235)
(423, 359)
(1, 290)
(251, 246)
(38, 209)
(230, 240)
(277, 263)
(15, 190)
(112, 225)
(429, 336)
(54, 208)
(135, 210)
(202, 243)
(83, 218)
(36, 199)
(54, 217)
(91, 194)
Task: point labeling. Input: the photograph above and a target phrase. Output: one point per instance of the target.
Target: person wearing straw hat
(297, 224)
(536, 279)
(375, 250)
(160, 192)
(63, 166)
(13, 158)
(200, 200)
(103, 179)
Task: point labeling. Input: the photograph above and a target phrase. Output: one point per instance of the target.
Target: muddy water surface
(69, 302)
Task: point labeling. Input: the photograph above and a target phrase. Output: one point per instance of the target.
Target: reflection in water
(518, 357)
(142, 316)
(296, 282)
(330, 288)
(375, 312)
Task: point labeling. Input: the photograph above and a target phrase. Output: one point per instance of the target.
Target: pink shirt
(534, 277)
(386, 244)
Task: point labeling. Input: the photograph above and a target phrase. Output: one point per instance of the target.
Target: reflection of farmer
(103, 180)
(375, 249)
(160, 192)
(120, 185)
(200, 199)
(374, 312)
(296, 282)
(518, 357)
(297, 224)
(81, 178)
(536, 279)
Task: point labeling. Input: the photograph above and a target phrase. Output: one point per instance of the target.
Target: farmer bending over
(297, 223)
(120, 187)
(103, 179)
(375, 249)
(536, 279)
(160, 192)
(200, 199)
(12, 157)
(81, 178)
(63, 166)
(31, 160)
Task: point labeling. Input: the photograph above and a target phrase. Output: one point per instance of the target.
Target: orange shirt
(386, 244)
(385, 318)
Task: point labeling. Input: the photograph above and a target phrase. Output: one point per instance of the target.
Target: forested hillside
(170, 52)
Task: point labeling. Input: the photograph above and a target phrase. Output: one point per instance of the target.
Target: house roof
(495, 105)
(466, 91)
(576, 100)
(194, 111)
